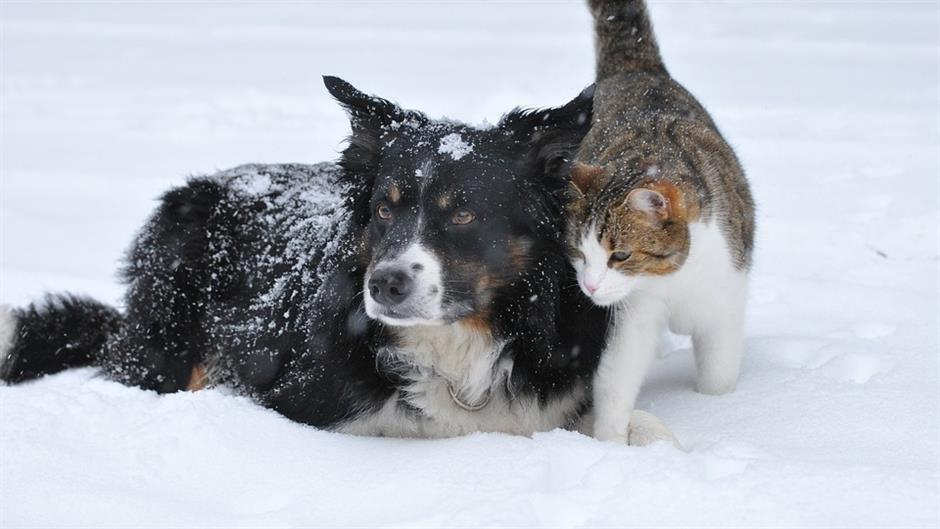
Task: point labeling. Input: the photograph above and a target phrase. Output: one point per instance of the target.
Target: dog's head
(453, 215)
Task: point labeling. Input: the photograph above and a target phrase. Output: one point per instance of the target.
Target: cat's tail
(624, 38)
(57, 333)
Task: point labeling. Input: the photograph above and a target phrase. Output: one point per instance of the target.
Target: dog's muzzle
(405, 290)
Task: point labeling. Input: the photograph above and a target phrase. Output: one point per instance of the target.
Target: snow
(832, 108)
(454, 145)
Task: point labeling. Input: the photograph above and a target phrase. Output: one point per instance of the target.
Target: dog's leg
(137, 358)
(169, 274)
(162, 337)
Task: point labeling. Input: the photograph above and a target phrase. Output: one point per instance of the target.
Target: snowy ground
(833, 108)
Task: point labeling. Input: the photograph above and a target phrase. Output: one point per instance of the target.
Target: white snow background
(832, 107)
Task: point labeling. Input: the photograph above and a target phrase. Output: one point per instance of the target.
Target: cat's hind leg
(718, 341)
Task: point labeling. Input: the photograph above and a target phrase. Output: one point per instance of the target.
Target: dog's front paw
(646, 428)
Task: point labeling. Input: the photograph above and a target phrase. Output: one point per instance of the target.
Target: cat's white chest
(693, 295)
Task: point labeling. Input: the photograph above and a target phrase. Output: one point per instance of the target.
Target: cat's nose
(591, 287)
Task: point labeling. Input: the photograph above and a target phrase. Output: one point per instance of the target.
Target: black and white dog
(418, 288)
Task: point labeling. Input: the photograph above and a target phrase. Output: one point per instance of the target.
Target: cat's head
(626, 231)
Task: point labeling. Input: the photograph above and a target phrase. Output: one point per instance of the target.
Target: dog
(417, 288)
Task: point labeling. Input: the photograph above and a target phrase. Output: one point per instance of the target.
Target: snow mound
(124, 457)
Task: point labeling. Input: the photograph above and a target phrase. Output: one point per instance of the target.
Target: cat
(662, 221)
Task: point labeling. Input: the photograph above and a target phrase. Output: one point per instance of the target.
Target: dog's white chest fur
(451, 370)
(456, 354)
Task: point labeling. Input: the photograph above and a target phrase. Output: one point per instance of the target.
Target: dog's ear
(369, 114)
(552, 136)
(371, 118)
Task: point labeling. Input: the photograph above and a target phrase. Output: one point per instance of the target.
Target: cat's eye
(619, 257)
(383, 211)
(463, 217)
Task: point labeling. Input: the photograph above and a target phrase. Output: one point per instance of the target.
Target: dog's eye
(462, 217)
(619, 257)
(383, 211)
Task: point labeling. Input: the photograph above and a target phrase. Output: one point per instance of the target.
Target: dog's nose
(390, 286)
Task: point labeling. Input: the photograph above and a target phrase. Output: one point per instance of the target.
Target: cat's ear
(650, 202)
(585, 178)
(663, 201)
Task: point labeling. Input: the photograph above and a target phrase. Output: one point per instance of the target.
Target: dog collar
(455, 396)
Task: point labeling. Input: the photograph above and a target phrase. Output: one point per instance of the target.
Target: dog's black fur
(257, 272)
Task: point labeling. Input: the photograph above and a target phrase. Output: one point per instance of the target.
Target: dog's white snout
(406, 288)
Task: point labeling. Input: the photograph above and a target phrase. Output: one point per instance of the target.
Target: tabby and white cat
(662, 224)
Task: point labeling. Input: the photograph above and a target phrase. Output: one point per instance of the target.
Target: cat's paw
(646, 429)
(611, 432)
(715, 385)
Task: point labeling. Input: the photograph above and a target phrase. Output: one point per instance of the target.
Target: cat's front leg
(646, 429)
(623, 366)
